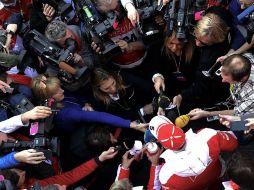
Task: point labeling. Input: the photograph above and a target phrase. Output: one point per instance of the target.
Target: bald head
(237, 66)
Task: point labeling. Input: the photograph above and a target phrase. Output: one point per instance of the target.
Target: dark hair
(101, 74)
(98, 139)
(237, 66)
(10, 175)
(240, 169)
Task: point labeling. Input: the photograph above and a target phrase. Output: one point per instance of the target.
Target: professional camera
(248, 30)
(181, 16)
(149, 29)
(61, 59)
(97, 27)
(64, 11)
(38, 129)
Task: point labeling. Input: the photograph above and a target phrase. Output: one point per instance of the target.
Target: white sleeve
(124, 2)
(11, 124)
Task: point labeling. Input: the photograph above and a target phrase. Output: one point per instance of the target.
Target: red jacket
(198, 166)
(70, 177)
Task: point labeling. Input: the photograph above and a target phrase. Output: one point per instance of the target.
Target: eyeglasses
(200, 41)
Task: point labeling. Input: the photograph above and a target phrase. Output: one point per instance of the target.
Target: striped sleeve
(154, 183)
(122, 173)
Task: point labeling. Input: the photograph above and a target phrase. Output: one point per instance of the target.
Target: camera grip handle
(67, 68)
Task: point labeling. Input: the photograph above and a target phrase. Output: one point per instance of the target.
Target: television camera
(248, 30)
(64, 11)
(68, 72)
(148, 28)
(180, 15)
(97, 27)
(39, 130)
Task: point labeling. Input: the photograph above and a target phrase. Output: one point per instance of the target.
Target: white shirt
(11, 124)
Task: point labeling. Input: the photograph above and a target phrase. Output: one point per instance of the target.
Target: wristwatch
(10, 32)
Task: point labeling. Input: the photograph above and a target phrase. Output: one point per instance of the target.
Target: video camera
(181, 16)
(38, 129)
(69, 72)
(63, 10)
(149, 29)
(248, 30)
(97, 27)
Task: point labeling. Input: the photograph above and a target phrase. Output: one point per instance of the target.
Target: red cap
(171, 137)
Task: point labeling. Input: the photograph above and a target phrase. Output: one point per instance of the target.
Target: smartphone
(9, 90)
(212, 118)
(240, 125)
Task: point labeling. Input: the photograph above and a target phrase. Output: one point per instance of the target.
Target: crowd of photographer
(77, 76)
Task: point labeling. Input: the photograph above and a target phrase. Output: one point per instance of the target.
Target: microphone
(213, 70)
(182, 121)
(163, 100)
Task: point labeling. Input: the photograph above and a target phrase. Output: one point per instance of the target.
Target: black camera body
(97, 27)
(147, 26)
(61, 59)
(39, 130)
(180, 15)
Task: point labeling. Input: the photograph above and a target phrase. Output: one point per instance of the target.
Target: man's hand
(88, 107)
(96, 48)
(132, 13)
(109, 154)
(177, 100)
(3, 86)
(39, 112)
(126, 162)
(198, 114)
(139, 126)
(148, 109)
(250, 124)
(78, 59)
(125, 47)
(30, 156)
(159, 84)
(154, 158)
(48, 11)
(227, 119)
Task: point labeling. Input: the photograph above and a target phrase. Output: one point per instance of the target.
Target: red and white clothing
(196, 166)
(125, 31)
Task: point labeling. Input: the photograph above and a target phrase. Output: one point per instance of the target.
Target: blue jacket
(237, 38)
(8, 161)
(72, 115)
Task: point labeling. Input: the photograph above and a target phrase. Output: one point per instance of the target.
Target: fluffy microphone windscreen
(182, 121)
(163, 101)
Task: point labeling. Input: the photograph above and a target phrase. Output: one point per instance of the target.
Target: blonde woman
(71, 109)
(211, 40)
